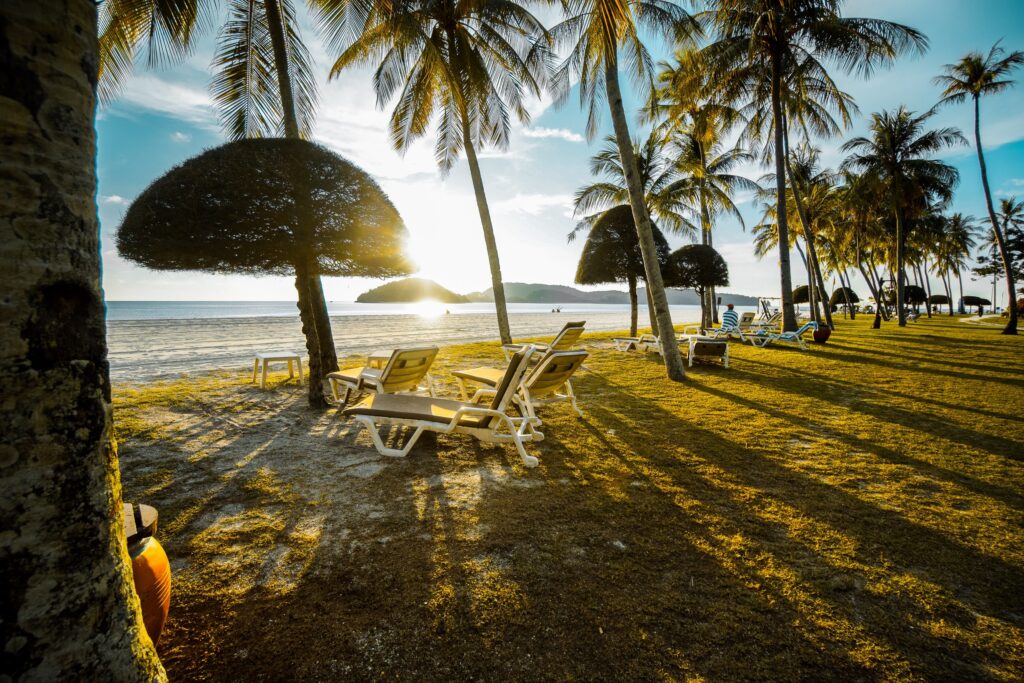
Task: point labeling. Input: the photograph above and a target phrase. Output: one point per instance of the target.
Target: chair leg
(300, 371)
(263, 381)
(291, 369)
(334, 388)
(528, 460)
(462, 389)
(378, 443)
(255, 367)
(572, 397)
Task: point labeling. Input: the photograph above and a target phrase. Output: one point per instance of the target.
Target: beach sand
(141, 350)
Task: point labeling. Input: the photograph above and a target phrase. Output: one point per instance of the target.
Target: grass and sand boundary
(854, 511)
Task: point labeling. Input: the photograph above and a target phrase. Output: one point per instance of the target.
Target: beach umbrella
(839, 298)
(976, 301)
(612, 254)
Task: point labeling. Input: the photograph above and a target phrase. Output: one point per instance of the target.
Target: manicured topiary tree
(270, 207)
(612, 254)
(801, 295)
(938, 300)
(977, 301)
(844, 296)
(698, 267)
(914, 295)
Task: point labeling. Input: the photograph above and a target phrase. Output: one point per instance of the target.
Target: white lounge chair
(402, 374)
(763, 339)
(491, 422)
(565, 340)
(706, 348)
(645, 342)
(541, 385)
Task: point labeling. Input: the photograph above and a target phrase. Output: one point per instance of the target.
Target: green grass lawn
(849, 512)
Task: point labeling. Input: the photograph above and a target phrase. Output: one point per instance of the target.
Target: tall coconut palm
(593, 33)
(470, 64)
(973, 76)
(263, 86)
(761, 43)
(899, 153)
(70, 611)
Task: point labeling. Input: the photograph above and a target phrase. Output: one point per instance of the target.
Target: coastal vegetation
(854, 509)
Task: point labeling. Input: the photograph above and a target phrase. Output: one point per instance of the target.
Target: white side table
(265, 358)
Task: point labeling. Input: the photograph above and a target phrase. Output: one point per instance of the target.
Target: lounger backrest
(707, 348)
(406, 368)
(806, 326)
(554, 371)
(747, 318)
(509, 384)
(568, 337)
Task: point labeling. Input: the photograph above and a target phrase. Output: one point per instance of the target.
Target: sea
(162, 339)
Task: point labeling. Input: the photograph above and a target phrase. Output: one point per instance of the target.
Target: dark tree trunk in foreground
(632, 305)
(785, 277)
(497, 285)
(68, 610)
(313, 306)
(652, 266)
(309, 331)
(1011, 287)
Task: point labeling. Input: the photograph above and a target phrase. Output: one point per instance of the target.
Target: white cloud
(180, 137)
(189, 103)
(533, 204)
(562, 133)
(114, 199)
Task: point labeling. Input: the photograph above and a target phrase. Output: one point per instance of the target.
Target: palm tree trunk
(652, 267)
(901, 256)
(844, 282)
(710, 296)
(785, 279)
(69, 609)
(927, 285)
(497, 286)
(1011, 287)
(650, 311)
(309, 330)
(960, 305)
(948, 281)
(316, 322)
(632, 305)
(810, 283)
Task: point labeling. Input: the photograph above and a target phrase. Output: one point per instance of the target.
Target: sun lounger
(645, 342)
(490, 422)
(541, 385)
(706, 348)
(762, 339)
(402, 374)
(563, 341)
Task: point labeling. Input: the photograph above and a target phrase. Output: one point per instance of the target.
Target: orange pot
(151, 569)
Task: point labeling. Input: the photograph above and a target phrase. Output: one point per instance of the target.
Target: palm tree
(973, 76)
(593, 33)
(470, 63)
(70, 612)
(899, 154)
(263, 86)
(761, 44)
(657, 177)
(958, 241)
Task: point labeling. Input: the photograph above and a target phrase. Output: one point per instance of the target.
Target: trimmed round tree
(801, 295)
(698, 267)
(612, 254)
(844, 296)
(977, 301)
(269, 207)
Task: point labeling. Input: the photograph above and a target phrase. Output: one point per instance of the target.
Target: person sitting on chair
(730, 318)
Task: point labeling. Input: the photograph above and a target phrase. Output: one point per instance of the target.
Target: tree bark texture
(785, 276)
(652, 267)
(68, 609)
(631, 280)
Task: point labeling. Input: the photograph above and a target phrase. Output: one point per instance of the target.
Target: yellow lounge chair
(541, 386)
(402, 374)
(490, 423)
(563, 341)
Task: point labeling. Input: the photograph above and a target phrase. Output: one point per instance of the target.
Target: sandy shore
(141, 350)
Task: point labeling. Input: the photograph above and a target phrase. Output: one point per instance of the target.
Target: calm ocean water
(152, 339)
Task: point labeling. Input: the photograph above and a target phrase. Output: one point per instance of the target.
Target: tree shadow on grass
(858, 354)
(966, 581)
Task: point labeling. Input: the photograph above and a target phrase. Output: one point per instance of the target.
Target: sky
(165, 116)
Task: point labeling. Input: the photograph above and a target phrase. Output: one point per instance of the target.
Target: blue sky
(165, 116)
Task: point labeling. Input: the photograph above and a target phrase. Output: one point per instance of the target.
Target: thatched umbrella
(698, 267)
(801, 295)
(270, 207)
(844, 296)
(612, 254)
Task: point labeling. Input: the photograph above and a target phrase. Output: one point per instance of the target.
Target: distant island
(410, 290)
(524, 293)
(413, 289)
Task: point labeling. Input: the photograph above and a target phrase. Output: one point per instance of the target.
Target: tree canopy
(697, 266)
(257, 207)
(612, 251)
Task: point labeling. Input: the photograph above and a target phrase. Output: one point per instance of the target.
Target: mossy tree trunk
(68, 610)
(652, 266)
